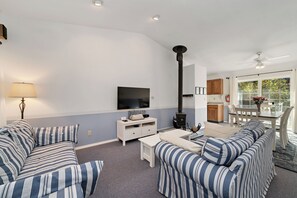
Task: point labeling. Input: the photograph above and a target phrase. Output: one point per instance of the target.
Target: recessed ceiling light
(156, 17)
(98, 3)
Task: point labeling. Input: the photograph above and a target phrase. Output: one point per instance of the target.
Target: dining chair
(279, 106)
(231, 109)
(283, 132)
(243, 115)
(265, 107)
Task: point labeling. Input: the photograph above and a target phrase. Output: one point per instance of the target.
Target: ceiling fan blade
(246, 65)
(279, 57)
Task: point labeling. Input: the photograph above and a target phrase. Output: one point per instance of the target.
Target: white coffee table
(147, 144)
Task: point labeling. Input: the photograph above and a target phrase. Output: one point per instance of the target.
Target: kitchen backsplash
(216, 98)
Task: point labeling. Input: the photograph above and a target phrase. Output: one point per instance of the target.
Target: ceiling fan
(262, 61)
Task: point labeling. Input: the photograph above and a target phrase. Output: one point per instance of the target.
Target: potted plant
(258, 100)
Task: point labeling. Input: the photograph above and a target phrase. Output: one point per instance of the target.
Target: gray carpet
(124, 175)
(286, 158)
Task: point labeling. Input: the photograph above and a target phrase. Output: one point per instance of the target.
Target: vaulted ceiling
(220, 35)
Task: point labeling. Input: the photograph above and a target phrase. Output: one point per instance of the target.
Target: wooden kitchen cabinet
(215, 87)
(208, 88)
(215, 113)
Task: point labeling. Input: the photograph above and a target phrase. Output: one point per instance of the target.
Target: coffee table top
(153, 140)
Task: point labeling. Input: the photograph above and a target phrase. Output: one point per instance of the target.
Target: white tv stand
(135, 129)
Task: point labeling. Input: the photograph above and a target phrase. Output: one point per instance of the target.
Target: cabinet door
(209, 89)
(212, 113)
(217, 86)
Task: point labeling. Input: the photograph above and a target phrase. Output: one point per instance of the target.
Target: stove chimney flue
(179, 50)
(180, 120)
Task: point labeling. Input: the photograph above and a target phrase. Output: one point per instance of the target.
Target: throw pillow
(257, 128)
(22, 133)
(11, 158)
(224, 151)
(51, 135)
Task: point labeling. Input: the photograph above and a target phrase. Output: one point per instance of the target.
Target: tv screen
(133, 98)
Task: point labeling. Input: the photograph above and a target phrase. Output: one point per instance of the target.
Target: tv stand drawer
(149, 130)
(133, 133)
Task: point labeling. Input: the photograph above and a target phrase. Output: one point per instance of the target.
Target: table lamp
(22, 90)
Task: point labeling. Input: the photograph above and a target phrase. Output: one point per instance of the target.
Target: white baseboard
(95, 144)
(107, 141)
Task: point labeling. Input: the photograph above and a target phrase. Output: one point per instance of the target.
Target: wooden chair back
(283, 126)
(243, 115)
(265, 107)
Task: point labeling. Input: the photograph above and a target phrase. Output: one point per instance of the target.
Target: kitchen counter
(215, 103)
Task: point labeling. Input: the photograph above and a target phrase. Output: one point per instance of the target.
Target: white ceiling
(220, 35)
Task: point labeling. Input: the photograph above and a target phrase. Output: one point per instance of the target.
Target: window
(277, 91)
(246, 91)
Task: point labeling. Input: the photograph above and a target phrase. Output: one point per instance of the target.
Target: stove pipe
(179, 50)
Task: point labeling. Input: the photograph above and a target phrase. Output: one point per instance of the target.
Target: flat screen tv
(133, 98)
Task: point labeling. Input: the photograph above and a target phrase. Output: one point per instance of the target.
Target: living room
(77, 54)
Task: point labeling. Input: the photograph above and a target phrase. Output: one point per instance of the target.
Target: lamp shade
(22, 90)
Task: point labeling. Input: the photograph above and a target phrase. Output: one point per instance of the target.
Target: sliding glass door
(276, 89)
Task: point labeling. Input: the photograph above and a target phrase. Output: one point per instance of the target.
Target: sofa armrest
(51, 135)
(86, 175)
(217, 179)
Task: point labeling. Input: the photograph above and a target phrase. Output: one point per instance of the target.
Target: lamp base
(22, 107)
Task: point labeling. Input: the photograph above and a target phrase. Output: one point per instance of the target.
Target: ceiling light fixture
(156, 17)
(260, 65)
(98, 3)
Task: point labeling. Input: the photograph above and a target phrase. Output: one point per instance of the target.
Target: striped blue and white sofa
(238, 167)
(41, 162)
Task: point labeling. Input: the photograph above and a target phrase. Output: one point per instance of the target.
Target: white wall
(76, 69)
(200, 81)
(189, 86)
(200, 100)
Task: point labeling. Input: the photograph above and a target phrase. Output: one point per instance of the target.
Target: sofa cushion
(219, 131)
(22, 133)
(49, 158)
(11, 158)
(50, 135)
(257, 128)
(224, 151)
(72, 191)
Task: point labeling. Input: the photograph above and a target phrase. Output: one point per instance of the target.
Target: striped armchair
(41, 162)
(189, 175)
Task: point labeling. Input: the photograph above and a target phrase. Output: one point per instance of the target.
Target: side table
(147, 144)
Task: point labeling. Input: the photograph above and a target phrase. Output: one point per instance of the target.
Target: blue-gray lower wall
(103, 125)
(195, 116)
(190, 116)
